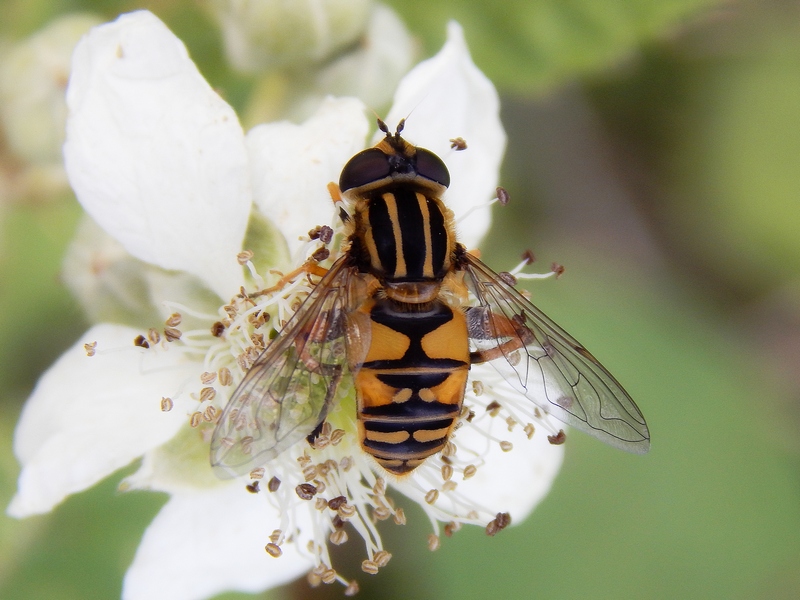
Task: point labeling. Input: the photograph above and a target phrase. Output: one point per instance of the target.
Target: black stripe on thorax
(419, 234)
(383, 233)
(412, 230)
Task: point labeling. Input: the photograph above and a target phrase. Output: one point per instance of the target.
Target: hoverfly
(391, 317)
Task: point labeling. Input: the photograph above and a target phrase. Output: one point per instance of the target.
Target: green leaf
(535, 45)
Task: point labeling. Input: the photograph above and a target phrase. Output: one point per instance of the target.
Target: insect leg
(483, 324)
(310, 267)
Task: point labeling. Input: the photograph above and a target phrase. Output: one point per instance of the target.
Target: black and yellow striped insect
(401, 315)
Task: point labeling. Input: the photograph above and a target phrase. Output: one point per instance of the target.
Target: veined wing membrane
(289, 388)
(547, 365)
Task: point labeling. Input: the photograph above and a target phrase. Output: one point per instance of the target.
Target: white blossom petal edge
(80, 424)
(203, 543)
(150, 143)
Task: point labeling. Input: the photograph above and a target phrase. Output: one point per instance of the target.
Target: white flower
(160, 162)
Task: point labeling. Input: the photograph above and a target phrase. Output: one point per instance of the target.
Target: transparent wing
(289, 388)
(547, 365)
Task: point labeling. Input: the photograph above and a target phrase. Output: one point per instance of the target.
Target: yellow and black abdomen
(410, 386)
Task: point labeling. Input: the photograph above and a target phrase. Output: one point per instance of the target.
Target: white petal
(292, 165)
(447, 97)
(206, 542)
(89, 416)
(514, 481)
(154, 154)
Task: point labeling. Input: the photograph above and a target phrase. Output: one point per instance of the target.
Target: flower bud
(261, 35)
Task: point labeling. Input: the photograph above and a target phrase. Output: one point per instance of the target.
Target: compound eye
(432, 167)
(365, 167)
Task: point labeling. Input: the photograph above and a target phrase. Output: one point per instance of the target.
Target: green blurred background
(654, 150)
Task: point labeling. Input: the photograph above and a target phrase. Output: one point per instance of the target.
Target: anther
(166, 404)
(382, 558)
(336, 503)
(217, 329)
(507, 278)
(309, 472)
(244, 256)
(325, 234)
(140, 341)
(528, 257)
(274, 484)
(210, 414)
(351, 589)
(225, 377)
(273, 550)
(172, 334)
(313, 579)
(369, 567)
(451, 527)
(305, 491)
(173, 320)
(503, 197)
(338, 537)
(433, 542)
(432, 496)
(346, 511)
(447, 472)
(558, 438)
(320, 254)
(329, 576)
(469, 471)
(493, 408)
(458, 144)
(258, 340)
(336, 436)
